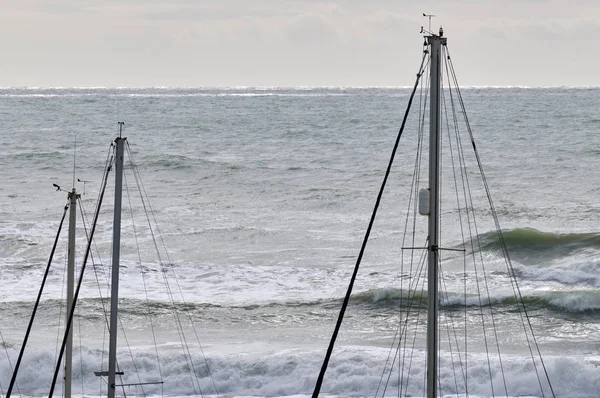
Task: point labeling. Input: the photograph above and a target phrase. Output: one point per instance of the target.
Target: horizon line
(264, 88)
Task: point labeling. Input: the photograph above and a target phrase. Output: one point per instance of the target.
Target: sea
(262, 197)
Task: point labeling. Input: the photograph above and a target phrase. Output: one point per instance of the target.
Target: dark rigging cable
(35, 307)
(338, 325)
(79, 282)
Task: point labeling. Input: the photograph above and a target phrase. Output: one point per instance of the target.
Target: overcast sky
(193, 43)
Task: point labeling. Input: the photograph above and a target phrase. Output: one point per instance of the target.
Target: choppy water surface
(263, 197)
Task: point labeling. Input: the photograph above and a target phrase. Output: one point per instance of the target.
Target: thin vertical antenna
(117, 95)
(74, 158)
(118, 108)
(121, 124)
(429, 16)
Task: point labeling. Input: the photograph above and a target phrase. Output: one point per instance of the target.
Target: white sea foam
(354, 371)
(578, 269)
(248, 284)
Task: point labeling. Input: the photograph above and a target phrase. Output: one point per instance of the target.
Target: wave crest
(531, 240)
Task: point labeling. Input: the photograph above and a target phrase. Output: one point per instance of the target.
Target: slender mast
(73, 196)
(435, 44)
(114, 296)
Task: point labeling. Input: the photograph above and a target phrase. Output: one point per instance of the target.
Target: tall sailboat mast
(73, 196)
(435, 48)
(114, 295)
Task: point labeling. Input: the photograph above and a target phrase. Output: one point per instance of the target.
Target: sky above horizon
(224, 43)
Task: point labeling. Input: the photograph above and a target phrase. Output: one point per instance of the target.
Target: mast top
(439, 37)
(429, 33)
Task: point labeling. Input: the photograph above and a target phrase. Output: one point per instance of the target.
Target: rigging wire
(103, 302)
(85, 220)
(403, 326)
(451, 325)
(76, 294)
(3, 343)
(411, 357)
(84, 217)
(366, 238)
(462, 168)
(503, 245)
(190, 362)
(480, 251)
(80, 353)
(490, 332)
(460, 222)
(414, 188)
(5, 346)
(442, 282)
(186, 351)
(35, 306)
(133, 361)
(469, 201)
(423, 100)
(108, 165)
(95, 267)
(61, 306)
(164, 246)
(139, 254)
(402, 330)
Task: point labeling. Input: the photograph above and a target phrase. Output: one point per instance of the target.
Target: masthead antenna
(428, 16)
(121, 124)
(74, 157)
(84, 182)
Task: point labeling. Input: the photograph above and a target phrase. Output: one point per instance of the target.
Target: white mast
(114, 296)
(73, 196)
(435, 44)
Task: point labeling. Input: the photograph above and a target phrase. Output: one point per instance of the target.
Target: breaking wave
(524, 240)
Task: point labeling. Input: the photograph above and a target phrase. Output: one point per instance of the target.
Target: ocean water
(262, 197)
